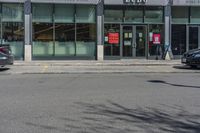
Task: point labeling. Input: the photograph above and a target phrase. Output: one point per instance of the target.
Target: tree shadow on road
(116, 118)
(172, 84)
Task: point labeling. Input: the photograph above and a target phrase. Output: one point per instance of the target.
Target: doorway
(134, 41)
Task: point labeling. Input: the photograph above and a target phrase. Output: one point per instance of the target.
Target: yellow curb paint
(45, 67)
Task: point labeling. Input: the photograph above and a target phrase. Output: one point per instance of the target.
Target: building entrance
(134, 41)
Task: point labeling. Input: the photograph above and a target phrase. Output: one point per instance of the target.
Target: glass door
(134, 41)
(140, 42)
(127, 44)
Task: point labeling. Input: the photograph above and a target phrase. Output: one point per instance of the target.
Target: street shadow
(2, 69)
(186, 67)
(116, 118)
(46, 127)
(176, 85)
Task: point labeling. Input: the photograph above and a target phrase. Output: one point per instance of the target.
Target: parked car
(191, 58)
(6, 56)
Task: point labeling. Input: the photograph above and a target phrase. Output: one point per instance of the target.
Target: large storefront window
(13, 28)
(153, 15)
(178, 39)
(42, 39)
(85, 43)
(64, 39)
(111, 49)
(42, 30)
(85, 31)
(180, 15)
(62, 31)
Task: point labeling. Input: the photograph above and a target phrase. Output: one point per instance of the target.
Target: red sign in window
(113, 38)
(156, 38)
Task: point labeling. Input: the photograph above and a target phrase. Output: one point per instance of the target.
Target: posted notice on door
(113, 38)
(156, 39)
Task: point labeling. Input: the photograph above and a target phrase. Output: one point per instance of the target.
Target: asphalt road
(100, 103)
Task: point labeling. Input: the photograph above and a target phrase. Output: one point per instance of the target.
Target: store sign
(113, 38)
(156, 39)
(135, 1)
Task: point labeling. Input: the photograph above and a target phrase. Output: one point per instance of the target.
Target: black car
(6, 57)
(191, 58)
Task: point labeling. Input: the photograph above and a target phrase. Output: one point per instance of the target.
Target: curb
(97, 70)
(99, 64)
(117, 72)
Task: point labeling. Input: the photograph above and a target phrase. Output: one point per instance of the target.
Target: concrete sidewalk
(118, 66)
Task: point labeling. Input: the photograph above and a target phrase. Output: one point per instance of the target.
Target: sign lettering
(135, 1)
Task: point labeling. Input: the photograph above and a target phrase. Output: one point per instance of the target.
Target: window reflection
(13, 34)
(42, 39)
(58, 32)
(86, 32)
(64, 39)
(13, 31)
(86, 38)
(42, 32)
(13, 28)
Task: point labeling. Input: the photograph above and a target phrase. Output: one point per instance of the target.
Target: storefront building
(185, 23)
(136, 22)
(99, 29)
